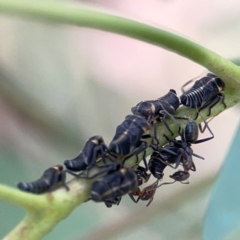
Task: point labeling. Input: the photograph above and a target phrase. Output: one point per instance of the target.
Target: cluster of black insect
(113, 179)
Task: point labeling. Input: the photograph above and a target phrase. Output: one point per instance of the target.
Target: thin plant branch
(79, 15)
(60, 203)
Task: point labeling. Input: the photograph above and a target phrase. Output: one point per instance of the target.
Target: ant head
(180, 176)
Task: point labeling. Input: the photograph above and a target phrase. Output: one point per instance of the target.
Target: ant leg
(145, 161)
(119, 201)
(111, 158)
(142, 147)
(133, 199)
(195, 155)
(178, 161)
(173, 141)
(184, 182)
(168, 139)
(63, 179)
(208, 128)
(202, 129)
(165, 112)
(155, 135)
(193, 168)
(73, 174)
(167, 126)
(149, 202)
(219, 97)
(166, 183)
(110, 167)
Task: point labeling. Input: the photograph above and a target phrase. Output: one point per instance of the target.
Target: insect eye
(220, 84)
(172, 91)
(146, 112)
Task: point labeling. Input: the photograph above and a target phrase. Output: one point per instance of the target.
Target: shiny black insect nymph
(114, 185)
(205, 93)
(142, 177)
(129, 137)
(155, 110)
(51, 179)
(93, 148)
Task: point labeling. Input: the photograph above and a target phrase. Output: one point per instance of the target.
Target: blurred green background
(60, 85)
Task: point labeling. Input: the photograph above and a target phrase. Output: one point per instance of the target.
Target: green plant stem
(30, 202)
(75, 14)
(60, 203)
(49, 208)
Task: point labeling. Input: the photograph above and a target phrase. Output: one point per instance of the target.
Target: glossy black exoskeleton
(51, 179)
(205, 93)
(180, 176)
(142, 175)
(114, 185)
(93, 148)
(156, 165)
(114, 201)
(129, 137)
(180, 151)
(155, 110)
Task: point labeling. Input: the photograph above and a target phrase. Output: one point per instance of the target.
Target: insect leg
(133, 199)
(195, 155)
(155, 134)
(141, 148)
(206, 126)
(63, 180)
